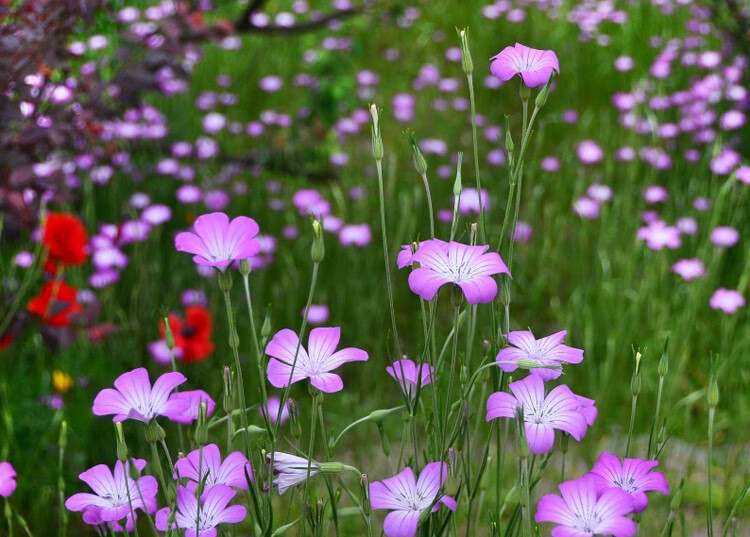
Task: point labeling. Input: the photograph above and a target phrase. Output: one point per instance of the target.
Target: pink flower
(408, 498)
(205, 466)
(217, 241)
(292, 363)
(689, 269)
(726, 300)
(545, 351)
(534, 66)
(202, 517)
(409, 376)
(634, 476)
(7, 479)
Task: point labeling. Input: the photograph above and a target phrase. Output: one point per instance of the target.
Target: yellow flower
(61, 381)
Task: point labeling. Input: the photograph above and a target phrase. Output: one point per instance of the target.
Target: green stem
(451, 375)
(482, 218)
(632, 422)
(429, 205)
(709, 509)
(526, 500)
(313, 427)
(258, 355)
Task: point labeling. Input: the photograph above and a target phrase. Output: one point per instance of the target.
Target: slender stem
(313, 427)
(429, 205)
(256, 346)
(451, 375)
(651, 440)
(709, 509)
(562, 471)
(525, 497)
(381, 193)
(482, 218)
(632, 422)
(159, 470)
(8, 516)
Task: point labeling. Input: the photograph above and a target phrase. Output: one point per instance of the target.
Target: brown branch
(243, 22)
(245, 25)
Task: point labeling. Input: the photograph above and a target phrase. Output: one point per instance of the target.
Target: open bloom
(560, 409)
(217, 241)
(7, 479)
(634, 476)
(213, 471)
(409, 376)
(110, 502)
(194, 399)
(547, 351)
(290, 356)
(581, 513)
(56, 303)
(134, 397)
(408, 497)
(201, 518)
(469, 267)
(291, 470)
(726, 300)
(192, 337)
(65, 238)
(534, 66)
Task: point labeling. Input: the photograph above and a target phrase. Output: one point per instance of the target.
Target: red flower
(56, 303)
(6, 340)
(193, 335)
(65, 239)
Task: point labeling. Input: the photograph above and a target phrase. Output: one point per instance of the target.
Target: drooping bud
(466, 63)
(420, 164)
(318, 250)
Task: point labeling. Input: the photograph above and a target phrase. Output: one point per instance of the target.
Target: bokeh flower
(726, 300)
(192, 337)
(65, 239)
(56, 304)
(217, 241)
(7, 479)
(534, 66)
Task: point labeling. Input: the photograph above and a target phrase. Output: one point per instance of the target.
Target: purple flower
(408, 376)
(7, 479)
(580, 513)
(724, 236)
(634, 476)
(726, 300)
(469, 267)
(291, 470)
(214, 471)
(134, 397)
(658, 235)
(289, 355)
(201, 518)
(689, 269)
(194, 398)
(589, 152)
(110, 502)
(469, 201)
(408, 498)
(534, 66)
(217, 241)
(274, 403)
(316, 314)
(560, 409)
(355, 235)
(546, 351)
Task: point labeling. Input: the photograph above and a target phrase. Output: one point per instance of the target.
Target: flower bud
(122, 447)
(377, 140)
(154, 432)
(318, 250)
(457, 186)
(663, 367)
(541, 97)
(330, 467)
(466, 63)
(201, 429)
(384, 443)
(713, 392)
(564, 441)
(505, 291)
(420, 164)
(365, 488)
(228, 391)
(245, 267)
(265, 328)
(225, 281)
(168, 334)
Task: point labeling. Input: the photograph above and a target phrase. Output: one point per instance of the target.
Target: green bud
(713, 392)
(168, 335)
(122, 447)
(463, 376)
(318, 250)
(384, 443)
(524, 91)
(201, 429)
(154, 432)
(228, 391)
(377, 140)
(63, 439)
(509, 145)
(265, 328)
(505, 290)
(225, 281)
(541, 97)
(365, 489)
(663, 367)
(420, 164)
(245, 267)
(635, 384)
(457, 186)
(330, 467)
(466, 63)
(234, 339)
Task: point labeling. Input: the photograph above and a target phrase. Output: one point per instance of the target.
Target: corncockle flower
(408, 375)
(658, 235)
(135, 398)
(110, 501)
(289, 354)
(587, 208)
(272, 409)
(689, 269)
(724, 236)
(201, 518)
(655, 194)
(213, 471)
(589, 152)
(291, 470)
(550, 164)
(560, 409)
(726, 300)
(408, 497)
(217, 241)
(743, 174)
(580, 513)
(469, 267)
(634, 476)
(7, 479)
(316, 313)
(545, 351)
(156, 214)
(687, 225)
(534, 66)
(194, 399)
(469, 201)
(702, 204)
(355, 235)
(522, 233)
(600, 193)
(624, 63)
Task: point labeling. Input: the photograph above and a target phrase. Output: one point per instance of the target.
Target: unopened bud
(564, 441)
(713, 392)
(365, 488)
(330, 467)
(420, 164)
(154, 432)
(457, 186)
(201, 430)
(541, 97)
(505, 291)
(384, 443)
(225, 281)
(168, 334)
(245, 267)
(228, 391)
(265, 328)
(663, 367)
(318, 250)
(377, 140)
(122, 447)
(466, 63)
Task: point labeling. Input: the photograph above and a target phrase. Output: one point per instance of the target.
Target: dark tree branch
(244, 24)
(243, 21)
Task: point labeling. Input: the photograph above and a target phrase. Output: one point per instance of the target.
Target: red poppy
(65, 239)
(55, 303)
(6, 340)
(193, 335)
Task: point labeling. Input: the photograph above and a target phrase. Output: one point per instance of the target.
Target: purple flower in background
(316, 314)
(550, 164)
(689, 269)
(634, 476)
(201, 518)
(589, 152)
(726, 300)
(655, 194)
(534, 66)
(587, 208)
(193, 398)
(110, 501)
(469, 201)
(522, 233)
(217, 241)
(560, 409)
(408, 375)
(408, 497)
(658, 235)
(135, 398)
(355, 235)
(274, 403)
(580, 513)
(7, 479)
(291, 470)
(547, 351)
(213, 471)
(469, 267)
(724, 236)
(315, 365)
